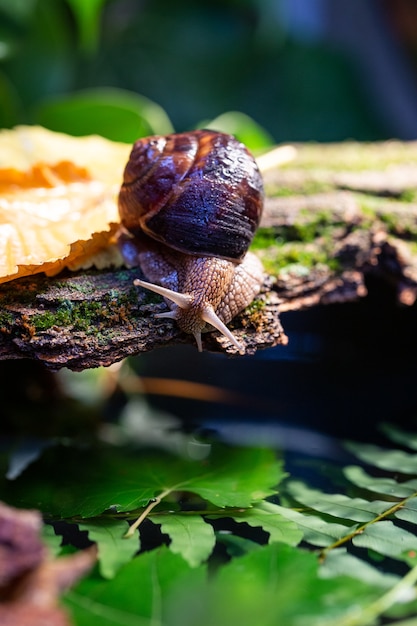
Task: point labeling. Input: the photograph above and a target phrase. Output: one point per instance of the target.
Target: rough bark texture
(344, 212)
(334, 216)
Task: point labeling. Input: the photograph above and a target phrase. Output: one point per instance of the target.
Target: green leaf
(402, 437)
(190, 535)
(243, 127)
(116, 114)
(138, 595)
(113, 549)
(67, 482)
(387, 486)
(315, 530)
(408, 511)
(386, 538)
(237, 477)
(339, 562)
(267, 516)
(274, 585)
(336, 504)
(391, 460)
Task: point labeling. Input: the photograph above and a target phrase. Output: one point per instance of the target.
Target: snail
(190, 203)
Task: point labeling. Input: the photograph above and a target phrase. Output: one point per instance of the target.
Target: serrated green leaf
(408, 511)
(336, 504)
(391, 460)
(239, 478)
(267, 516)
(138, 595)
(339, 562)
(387, 486)
(386, 538)
(315, 530)
(67, 482)
(190, 535)
(113, 549)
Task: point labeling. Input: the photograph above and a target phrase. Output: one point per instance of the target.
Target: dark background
(302, 69)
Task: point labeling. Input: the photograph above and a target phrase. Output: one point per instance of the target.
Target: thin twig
(393, 509)
(146, 512)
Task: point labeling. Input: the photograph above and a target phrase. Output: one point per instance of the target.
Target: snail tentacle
(210, 317)
(189, 205)
(182, 300)
(185, 302)
(170, 315)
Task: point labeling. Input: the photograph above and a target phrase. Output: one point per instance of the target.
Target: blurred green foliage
(117, 114)
(70, 65)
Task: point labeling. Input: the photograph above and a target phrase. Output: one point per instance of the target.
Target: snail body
(191, 203)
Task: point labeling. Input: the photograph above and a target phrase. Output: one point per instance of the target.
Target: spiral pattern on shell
(198, 192)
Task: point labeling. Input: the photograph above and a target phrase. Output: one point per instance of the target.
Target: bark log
(334, 216)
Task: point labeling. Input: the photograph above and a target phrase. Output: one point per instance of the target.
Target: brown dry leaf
(30, 581)
(20, 546)
(58, 199)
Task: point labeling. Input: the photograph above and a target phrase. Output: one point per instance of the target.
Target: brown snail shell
(192, 202)
(198, 192)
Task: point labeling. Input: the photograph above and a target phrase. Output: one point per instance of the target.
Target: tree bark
(334, 216)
